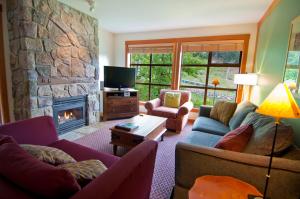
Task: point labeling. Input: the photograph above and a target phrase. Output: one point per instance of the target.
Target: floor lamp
(279, 104)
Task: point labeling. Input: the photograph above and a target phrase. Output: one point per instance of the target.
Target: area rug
(163, 178)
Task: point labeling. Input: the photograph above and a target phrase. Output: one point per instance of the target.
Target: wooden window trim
(4, 107)
(177, 42)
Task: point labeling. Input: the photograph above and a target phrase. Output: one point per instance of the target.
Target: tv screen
(119, 77)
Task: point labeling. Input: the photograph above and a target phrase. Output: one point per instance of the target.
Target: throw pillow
(32, 175)
(85, 171)
(223, 111)
(240, 113)
(223, 187)
(237, 139)
(47, 154)
(172, 99)
(6, 139)
(264, 130)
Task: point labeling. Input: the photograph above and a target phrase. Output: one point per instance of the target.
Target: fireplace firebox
(69, 113)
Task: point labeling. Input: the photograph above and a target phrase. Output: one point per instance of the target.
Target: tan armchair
(177, 117)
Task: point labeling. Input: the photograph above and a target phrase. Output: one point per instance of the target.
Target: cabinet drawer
(126, 101)
(122, 109)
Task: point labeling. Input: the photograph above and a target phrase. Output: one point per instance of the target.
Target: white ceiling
(121, 16)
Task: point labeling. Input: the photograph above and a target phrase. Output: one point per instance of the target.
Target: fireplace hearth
(69, 113)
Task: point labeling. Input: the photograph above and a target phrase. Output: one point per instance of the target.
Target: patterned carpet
(163, 179)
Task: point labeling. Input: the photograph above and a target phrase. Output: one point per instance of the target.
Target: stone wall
(53, 53)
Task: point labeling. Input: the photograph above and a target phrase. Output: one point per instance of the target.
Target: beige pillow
(47, 154)
(223, 111)
(85, 171)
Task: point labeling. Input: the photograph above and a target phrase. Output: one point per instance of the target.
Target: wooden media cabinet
(120, 104)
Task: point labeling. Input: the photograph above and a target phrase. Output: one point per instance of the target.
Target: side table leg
(115, 149)
(162, 138)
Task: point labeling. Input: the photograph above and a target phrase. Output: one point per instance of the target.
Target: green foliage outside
(190, 75)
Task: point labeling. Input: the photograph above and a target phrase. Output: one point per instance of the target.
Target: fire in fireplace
(69, 113)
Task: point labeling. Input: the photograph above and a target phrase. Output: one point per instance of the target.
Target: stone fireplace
(53, 55)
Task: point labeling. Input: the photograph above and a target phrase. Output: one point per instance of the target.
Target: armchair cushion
(209, 125)
(172, 99)
(150, 105)
(164, 111)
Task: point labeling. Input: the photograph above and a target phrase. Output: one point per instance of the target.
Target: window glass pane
(220, 95)
(142, 74)
(165, 58)
(155, 90)
(224, 75)
(143, 91)
(161, 74)
(291, 74)
(197, 96)
(195, 58)
(230, 57)
(140, 59)
(193, 76)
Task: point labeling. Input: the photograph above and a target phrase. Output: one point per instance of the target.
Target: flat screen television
(119, 77)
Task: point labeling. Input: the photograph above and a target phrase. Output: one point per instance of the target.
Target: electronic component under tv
(119, 77)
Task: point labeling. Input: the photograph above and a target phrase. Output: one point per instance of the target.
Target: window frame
(150, 83)
(207, 67)
(177, 55)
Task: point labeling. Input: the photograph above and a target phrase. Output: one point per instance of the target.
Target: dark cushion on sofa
(201, 138)
(241, 112)
(33, 175)
(209, 125)
(81, 153)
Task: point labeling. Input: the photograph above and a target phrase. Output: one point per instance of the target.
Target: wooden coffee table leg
(115, 149)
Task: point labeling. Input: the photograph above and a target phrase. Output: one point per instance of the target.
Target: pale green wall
(272, 49)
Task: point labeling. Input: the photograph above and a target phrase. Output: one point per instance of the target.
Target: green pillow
(240, 113)
(172, 99)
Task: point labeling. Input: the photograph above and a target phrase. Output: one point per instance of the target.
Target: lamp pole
(277, 122)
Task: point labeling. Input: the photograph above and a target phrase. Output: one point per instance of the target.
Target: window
(199, 68)
(189, 64)
(154, 70)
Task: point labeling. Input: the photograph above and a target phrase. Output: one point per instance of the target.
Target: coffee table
(150, 128)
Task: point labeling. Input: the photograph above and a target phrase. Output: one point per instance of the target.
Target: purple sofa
(127, 177)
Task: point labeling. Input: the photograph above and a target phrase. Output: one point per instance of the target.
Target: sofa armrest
(150, 105)
(185, 108)
(130, 177)
(194, 161)
(204, 110)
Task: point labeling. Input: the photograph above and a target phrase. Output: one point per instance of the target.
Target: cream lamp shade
(280, 103)
(246, 79)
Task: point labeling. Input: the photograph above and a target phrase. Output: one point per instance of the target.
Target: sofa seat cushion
(164, 111)
(201, 138)
(209, 125)
(81, 153)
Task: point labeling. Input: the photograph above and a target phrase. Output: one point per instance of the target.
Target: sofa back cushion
(237, 139)
(240, 113)
(185, 95)
(38, 130)
(264, 130)
(172, 99)
(223, 111)
(32, 175)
